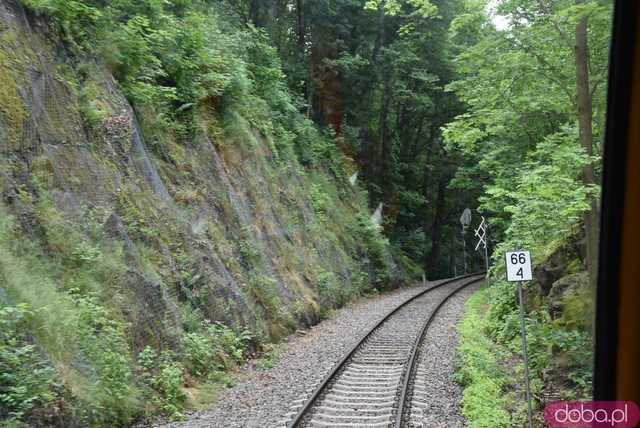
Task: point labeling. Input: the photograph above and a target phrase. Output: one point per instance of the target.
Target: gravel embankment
(262, 397)
(437, 365)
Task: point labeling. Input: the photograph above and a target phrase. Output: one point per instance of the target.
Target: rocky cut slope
(164, 208)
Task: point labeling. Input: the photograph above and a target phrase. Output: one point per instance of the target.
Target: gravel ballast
(263, 396)
(438, 391)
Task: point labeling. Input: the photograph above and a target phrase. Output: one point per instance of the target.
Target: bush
(103, 343)
(168, 382)
(502, 316)
(206, 354)
(332, 293)
(263, 290)
(215, 348)
(29, 387)
(164, 378)
(374, 247)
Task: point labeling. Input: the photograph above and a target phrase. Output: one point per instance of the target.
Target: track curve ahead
(372, 385)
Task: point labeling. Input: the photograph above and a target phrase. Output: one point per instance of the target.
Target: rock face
(219, 224)
(564, 289)
(564, 261)
(562, 283)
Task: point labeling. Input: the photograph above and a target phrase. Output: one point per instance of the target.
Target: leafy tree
(375, 73)
(535, 86)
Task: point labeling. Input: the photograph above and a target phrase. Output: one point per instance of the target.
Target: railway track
(374, 385)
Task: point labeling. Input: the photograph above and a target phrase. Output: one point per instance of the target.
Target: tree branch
(550, 70)
(563, 34)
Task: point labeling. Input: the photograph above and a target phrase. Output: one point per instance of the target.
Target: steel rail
(411, 365)
(302, 412)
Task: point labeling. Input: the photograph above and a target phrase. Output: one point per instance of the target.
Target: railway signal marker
(519, 266)
(481, 233)
(519, 270)
(465, 220)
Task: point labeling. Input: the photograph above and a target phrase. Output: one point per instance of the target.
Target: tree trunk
(301, 26)
(436, 228)
(378, 164)
(386, 149)
(379, 42)
(302, 51)
(254, 13)
(585, 132)
(426, 191)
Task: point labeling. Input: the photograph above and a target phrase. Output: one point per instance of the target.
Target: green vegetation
(490, 368)
(484, 380)
(175, 190)
(533, 131)
(28, 388)
(167, 210)
(216, 349)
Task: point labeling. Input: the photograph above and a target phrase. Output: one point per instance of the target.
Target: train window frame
(616, 376)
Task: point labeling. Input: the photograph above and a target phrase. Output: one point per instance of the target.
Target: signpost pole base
(486, 260)
(464, 253)
(524, 354)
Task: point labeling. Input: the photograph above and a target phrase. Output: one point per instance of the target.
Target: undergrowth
(490, 367)
(479, 370)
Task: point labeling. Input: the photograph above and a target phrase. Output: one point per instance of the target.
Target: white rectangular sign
(519, 266)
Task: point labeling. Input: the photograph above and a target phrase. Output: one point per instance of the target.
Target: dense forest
(185, 182)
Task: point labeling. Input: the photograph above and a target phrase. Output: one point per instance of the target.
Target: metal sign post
(481, 233)
(464, 253)
(486, 259)
(519, 270)
(524, 354)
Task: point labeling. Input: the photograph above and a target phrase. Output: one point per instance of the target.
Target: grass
(479, 371)
(201, 396)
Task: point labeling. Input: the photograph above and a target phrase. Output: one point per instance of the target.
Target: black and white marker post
(519, 270)
(481, 233)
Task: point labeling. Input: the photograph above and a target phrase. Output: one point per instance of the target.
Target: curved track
(372, 386)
